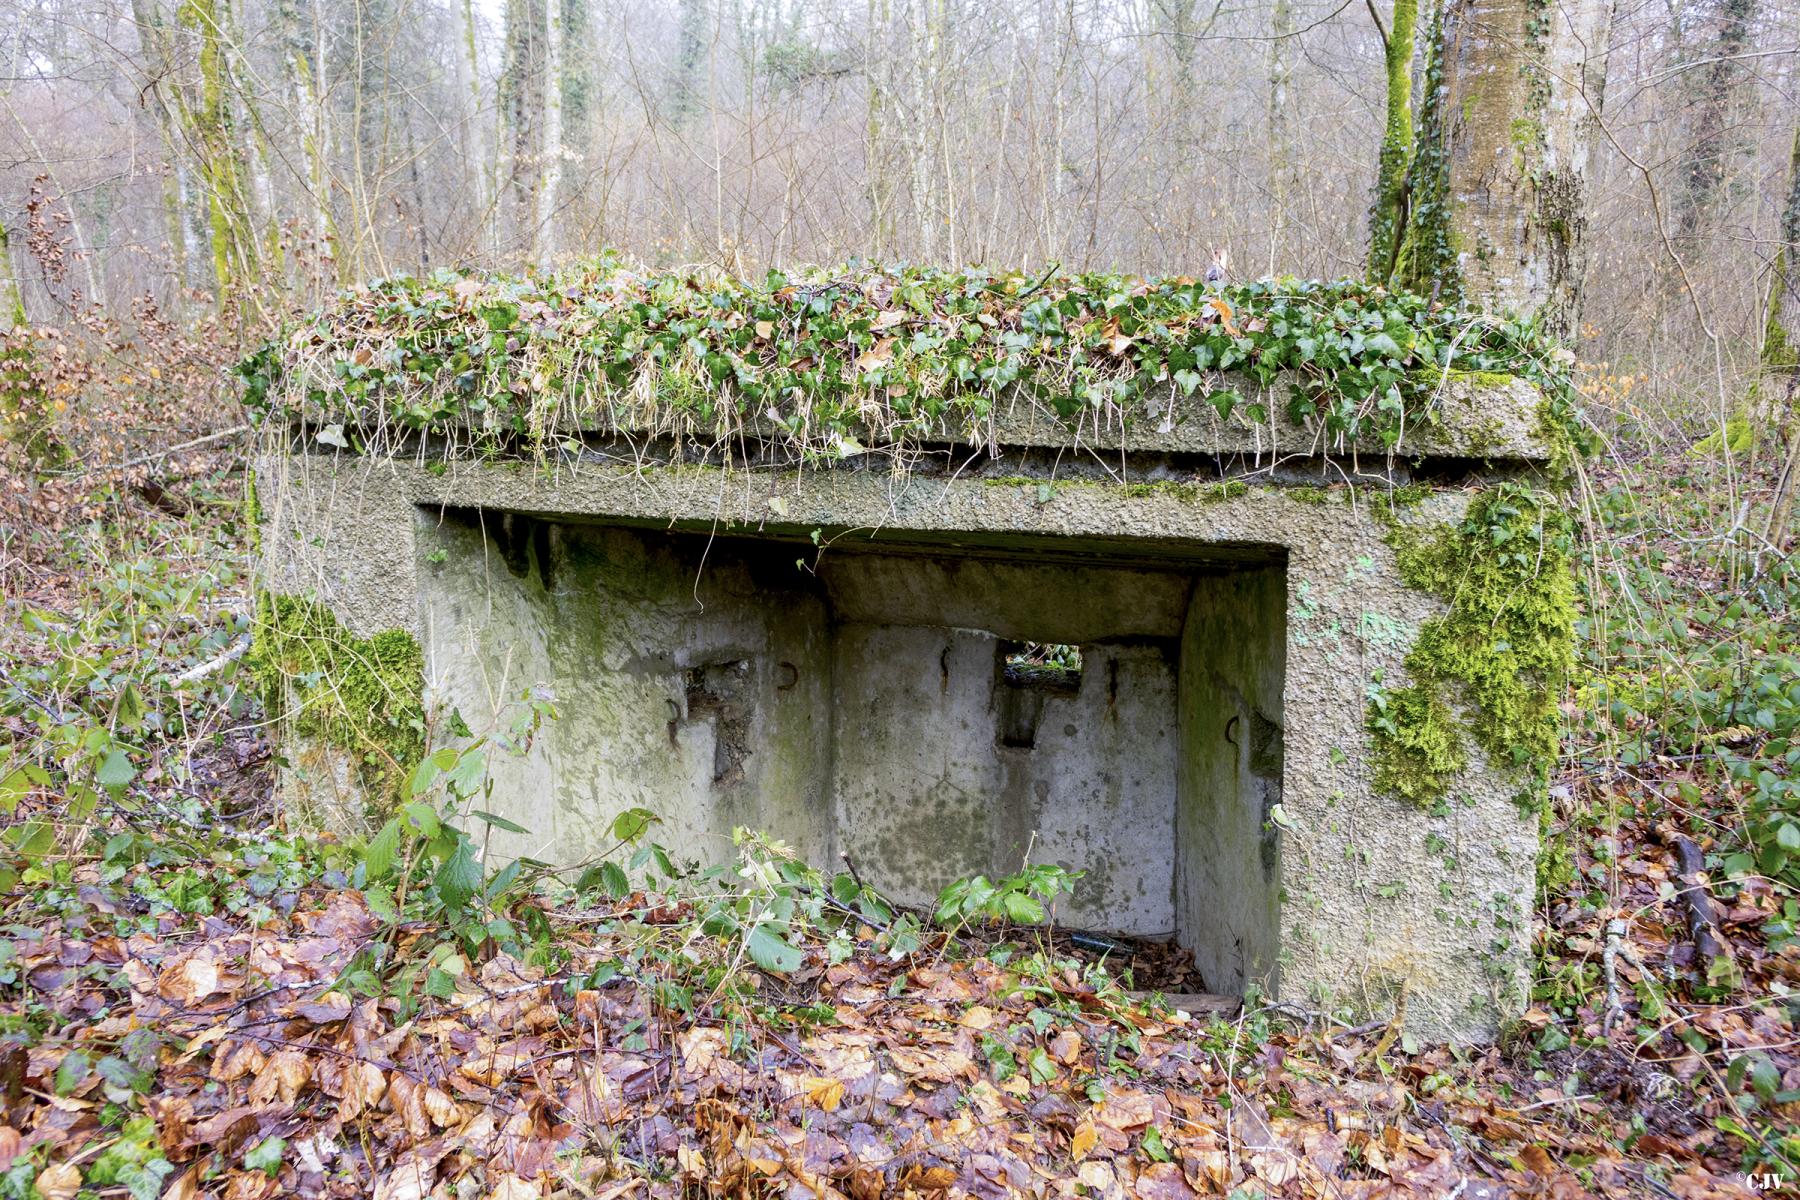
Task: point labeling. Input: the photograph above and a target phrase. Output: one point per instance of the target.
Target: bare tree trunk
(304, 63)
(475, 140)
(877, 141)
(1714, 138)
(1281, 148)
(550, 148)
(1778, 388)
(521, 82)
(153, 38)
(12, 300)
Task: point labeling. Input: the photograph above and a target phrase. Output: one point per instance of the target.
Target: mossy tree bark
(1781, 332)
(1778, 389)
(230, 225)
(304, 66)
(12, 300)
(1387, 215)
(1496, 203)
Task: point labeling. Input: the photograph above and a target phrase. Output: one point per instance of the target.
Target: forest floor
(195, 1000)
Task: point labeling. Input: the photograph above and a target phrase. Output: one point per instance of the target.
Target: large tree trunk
(1778, 388)
(1497, 209)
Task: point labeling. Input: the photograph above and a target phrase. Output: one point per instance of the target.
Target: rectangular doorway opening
(932, 708)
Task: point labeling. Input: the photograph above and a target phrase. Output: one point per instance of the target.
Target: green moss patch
(1494, 666)
(364, 695)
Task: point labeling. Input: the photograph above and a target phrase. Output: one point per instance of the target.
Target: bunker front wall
(1208, 769)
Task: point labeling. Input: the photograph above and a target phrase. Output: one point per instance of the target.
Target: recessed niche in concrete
(868, 701)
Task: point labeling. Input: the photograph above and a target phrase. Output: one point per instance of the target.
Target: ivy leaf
(265, 1156)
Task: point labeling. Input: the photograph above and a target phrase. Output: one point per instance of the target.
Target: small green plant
(1020, 898)
(436, 865)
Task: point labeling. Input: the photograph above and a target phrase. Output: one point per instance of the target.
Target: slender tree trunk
(475, 144)
(153, 38)
(12, 300)
(1281, 147)
(877, 149)
(550, 150)
(1387, 214)
(303, 61)
(689, 50)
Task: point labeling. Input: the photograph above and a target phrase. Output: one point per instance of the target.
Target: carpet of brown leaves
(523, 1083)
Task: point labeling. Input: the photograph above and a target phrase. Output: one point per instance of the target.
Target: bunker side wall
(1229, 870)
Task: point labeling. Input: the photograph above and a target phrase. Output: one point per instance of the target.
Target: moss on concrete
(1308, 495)
(1493, 667)
(362, 695)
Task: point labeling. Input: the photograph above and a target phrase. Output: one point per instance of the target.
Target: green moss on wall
(364, 695)
(1308, 495)
(1494, 666)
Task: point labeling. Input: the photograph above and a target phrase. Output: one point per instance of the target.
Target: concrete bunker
(877, 699)
(1318, 678)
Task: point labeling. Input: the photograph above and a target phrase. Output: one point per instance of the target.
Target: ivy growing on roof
(830, 359)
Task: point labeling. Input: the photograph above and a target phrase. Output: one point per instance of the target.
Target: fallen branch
(141, 459)
(234, 652)
(1616, 948)
(1696, 903)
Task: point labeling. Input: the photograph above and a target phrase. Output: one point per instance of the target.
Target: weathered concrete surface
(697, 694)
(1375, 897)
(1488, 417)
(945, 769)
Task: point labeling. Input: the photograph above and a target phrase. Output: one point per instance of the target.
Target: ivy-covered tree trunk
(1781, 332)
(1496, 206)
(1387, 214)
(230, 227)
(1716, 84)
